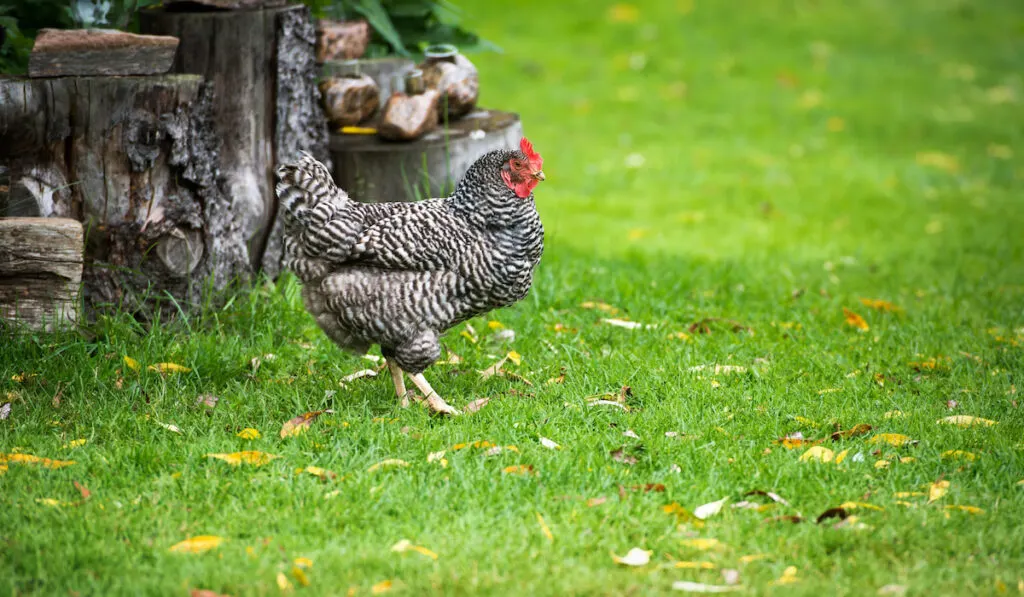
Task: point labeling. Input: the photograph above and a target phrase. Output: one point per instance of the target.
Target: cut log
(40, 272)
(135, 160)
(266, 106)
(374, 170)
(85, 52)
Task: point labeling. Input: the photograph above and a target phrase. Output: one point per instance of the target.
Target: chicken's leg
(436, 403)
(399, 381)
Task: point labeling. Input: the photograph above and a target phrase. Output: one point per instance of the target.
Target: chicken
(400, 274)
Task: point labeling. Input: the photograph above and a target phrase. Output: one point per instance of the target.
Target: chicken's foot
(434, 401)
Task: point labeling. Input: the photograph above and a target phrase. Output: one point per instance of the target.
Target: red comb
(534, 158)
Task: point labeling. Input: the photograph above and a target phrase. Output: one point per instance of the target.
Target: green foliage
(404, 27)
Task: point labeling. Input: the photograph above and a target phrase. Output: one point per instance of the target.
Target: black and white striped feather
(401, 274)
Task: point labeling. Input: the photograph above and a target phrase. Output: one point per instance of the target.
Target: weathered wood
(266, 106)
(374, 170)
(85, 52)
(40, 271)
(135, 160)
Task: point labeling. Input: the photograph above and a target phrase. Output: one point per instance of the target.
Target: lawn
(732, 176)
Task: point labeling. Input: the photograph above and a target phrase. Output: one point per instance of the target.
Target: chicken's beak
(539, 175)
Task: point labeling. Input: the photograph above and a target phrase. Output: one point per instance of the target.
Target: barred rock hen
(400, 274)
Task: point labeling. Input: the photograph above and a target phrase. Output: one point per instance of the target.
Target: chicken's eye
(517, 164)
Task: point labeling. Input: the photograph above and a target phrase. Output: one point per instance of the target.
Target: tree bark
(266, 107)
(374, 170)
(134, 159)
(40, 271)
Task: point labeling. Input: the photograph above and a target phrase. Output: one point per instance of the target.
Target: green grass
(746, 207)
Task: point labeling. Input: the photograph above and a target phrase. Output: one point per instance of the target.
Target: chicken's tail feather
(304, 185)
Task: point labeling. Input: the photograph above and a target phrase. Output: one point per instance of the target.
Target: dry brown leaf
(198, 544)
(854, 320)
(476, 405)
(854, 431)
(620, 455)
(205, 593)
(494, 369)
(791, 518)
(838, 512)
(82, 489)
(635, 557)
(207, 400)
(301, 423)
(252, 457)
(768, 494)
(649, 487)
(358, 375)
(596, 501)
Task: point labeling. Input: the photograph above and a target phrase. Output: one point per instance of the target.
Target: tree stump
(134, 159)
(374, 170)
(40, 271)
(266, 104)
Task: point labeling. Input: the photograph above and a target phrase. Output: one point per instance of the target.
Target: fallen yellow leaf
(854, 320)
(249, 433)
(840, 457)
(703, 544)
(131, 363)
(879, 305)
(693, 565)
(282, 582)
(818, 454)
(788, 577)
(405, 545)
(74, 443)
(168, 368)
(476, 444)
(197, 544)
(515, 357)
(753, 558)
(907, 494)
(855, 505)
(304, 562)
(389, 463)
(19, 458)
(544, 528)
(382, 587)
(321, 473)
(881, 464)
(519, 469)
(968, 509)
(623, 13)
(248, 457)
(959, 455)
(893, 439)
(940, 160)
(300, 576)
(51, 502)
(965, 421)
(937, 490)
